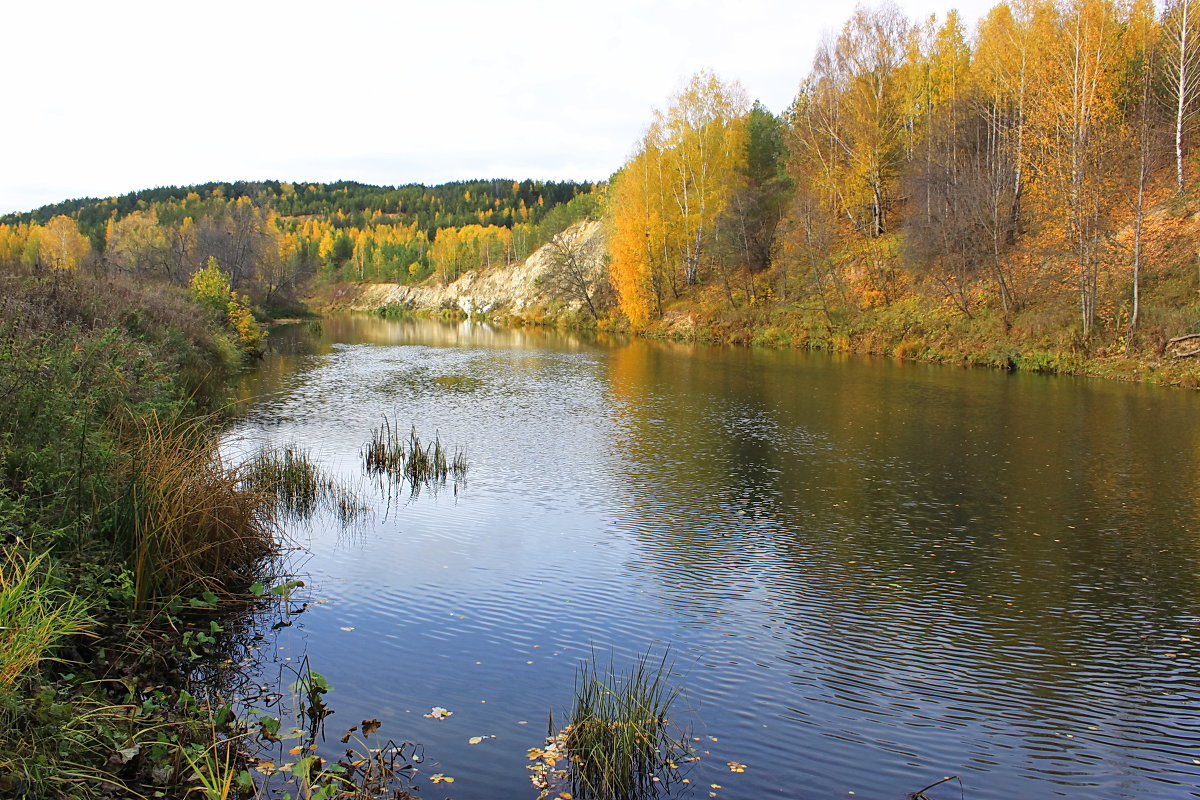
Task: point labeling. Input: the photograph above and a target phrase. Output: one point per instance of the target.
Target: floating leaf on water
(438, 777)
(437, 712)
(734, 766)
(475, 740)
(295, 751)
(349, 628)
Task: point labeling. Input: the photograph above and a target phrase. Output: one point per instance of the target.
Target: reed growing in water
(618, 743)
(299, 486)
(387, 453)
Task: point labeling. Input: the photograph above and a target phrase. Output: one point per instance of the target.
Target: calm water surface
(870, 574)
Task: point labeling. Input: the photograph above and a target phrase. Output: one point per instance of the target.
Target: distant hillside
(269, 237)
(499, 202)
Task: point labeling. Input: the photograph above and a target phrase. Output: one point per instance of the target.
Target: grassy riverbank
(1042, 339)
(122, 528)
(831, 302)
(831, 306)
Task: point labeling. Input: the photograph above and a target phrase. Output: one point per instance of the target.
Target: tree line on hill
(269, 237)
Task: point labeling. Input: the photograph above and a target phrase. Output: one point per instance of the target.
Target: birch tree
(1181, 63)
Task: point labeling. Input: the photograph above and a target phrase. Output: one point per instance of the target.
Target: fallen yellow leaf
(475, 740)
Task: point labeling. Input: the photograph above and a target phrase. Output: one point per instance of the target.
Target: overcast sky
(106, 98)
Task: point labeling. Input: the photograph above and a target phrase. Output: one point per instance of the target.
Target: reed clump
(388, 453)
(189, 519)
(290, 475)
(618, 743)
(299, 486)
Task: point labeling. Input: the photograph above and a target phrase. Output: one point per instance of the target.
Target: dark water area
(870, 574)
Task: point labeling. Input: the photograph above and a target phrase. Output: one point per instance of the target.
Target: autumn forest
(1016, 193)
(227, 404)
(1033, 172)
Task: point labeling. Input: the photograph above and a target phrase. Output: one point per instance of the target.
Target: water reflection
(876, 573)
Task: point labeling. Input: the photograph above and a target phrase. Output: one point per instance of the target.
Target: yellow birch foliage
(635, 229)
(61, 245)
(665, 202)
(703, 145)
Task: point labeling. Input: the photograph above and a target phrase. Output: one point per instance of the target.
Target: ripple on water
(868, 579)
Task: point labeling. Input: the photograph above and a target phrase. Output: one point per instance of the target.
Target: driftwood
(1185, 338)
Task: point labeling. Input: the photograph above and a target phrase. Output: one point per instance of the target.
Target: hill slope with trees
(1020, 195)
(271, 237)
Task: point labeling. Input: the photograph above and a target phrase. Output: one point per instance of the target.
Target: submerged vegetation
(370, 767)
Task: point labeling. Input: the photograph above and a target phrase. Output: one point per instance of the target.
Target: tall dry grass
(189, 519)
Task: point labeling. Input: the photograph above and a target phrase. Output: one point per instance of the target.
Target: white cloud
(107, 98)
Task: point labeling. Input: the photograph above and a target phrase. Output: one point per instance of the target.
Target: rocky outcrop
(506, 291)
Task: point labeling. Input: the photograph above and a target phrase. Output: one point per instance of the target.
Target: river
(869, 574)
